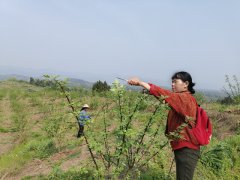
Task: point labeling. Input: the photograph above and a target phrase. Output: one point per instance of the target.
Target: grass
(6, 130)
(14, 160)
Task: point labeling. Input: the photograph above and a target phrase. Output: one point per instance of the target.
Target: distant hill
(15, 76)
(212, 94)
(80, 82)
(72, 81)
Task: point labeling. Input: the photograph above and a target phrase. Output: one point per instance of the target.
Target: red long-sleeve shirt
(182, 104)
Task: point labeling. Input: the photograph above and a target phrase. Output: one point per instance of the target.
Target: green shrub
(41, 148)
(223, 159)
(151, 174)
(100, 86)
(4, 130)
(200, 98)
(95, 103)
(72, 174)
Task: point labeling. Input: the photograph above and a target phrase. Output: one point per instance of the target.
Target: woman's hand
(137, 82)
(134, 81)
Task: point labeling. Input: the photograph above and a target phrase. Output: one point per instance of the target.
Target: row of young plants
(30, 142)
(27, 145)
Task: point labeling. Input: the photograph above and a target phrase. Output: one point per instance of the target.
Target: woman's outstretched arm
(137, 82)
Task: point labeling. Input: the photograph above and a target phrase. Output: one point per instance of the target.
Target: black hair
(184, 76)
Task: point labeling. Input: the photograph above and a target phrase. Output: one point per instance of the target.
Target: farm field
(124, 139)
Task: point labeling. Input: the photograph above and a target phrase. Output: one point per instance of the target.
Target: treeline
(232, 88)
(42, 82)
(98, 86)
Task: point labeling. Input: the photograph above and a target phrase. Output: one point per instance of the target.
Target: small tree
(233, 89)
(126, 143)
(100, 86)
(32, 80)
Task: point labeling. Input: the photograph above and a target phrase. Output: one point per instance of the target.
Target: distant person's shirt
(83, 117)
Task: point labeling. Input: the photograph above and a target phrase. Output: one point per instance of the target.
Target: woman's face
(179, 86)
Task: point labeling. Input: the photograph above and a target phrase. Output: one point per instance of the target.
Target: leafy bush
(129, 146)
(223, 159)
(226, 100)
(42, 148)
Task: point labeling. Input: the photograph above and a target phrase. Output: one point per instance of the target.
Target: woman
(183, 105)
(83, 117)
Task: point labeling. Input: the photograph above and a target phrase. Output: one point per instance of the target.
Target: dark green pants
(186, 161)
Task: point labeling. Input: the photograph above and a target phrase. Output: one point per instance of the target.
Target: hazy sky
(98, 39)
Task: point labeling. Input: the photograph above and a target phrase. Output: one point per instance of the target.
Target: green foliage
(4, 130)
(72, 174)
(94, 104)
(42, 82)
(159, 169)
(200, 98)
(56, 128)
(222, 160)
(20, 116)
(53, 126)
(125, 137)
(152, 174)
(226, 100)
(15, 159)
(134, 147)
(100, 86)
(2, 94)
(41, 148)
(232, 90)
(218, 158)
(12, 79)
(23, 153)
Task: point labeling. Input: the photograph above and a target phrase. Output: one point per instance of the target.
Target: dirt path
(226, 123)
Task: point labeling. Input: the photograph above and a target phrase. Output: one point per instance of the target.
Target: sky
(101, 39)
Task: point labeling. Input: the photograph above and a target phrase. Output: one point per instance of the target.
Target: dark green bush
(100, 86)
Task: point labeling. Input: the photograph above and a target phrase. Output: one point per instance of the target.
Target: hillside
(76, 82)
(38, 135)
(14, 76)
(72, 81)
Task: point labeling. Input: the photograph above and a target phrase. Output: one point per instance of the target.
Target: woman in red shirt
(183, 106)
